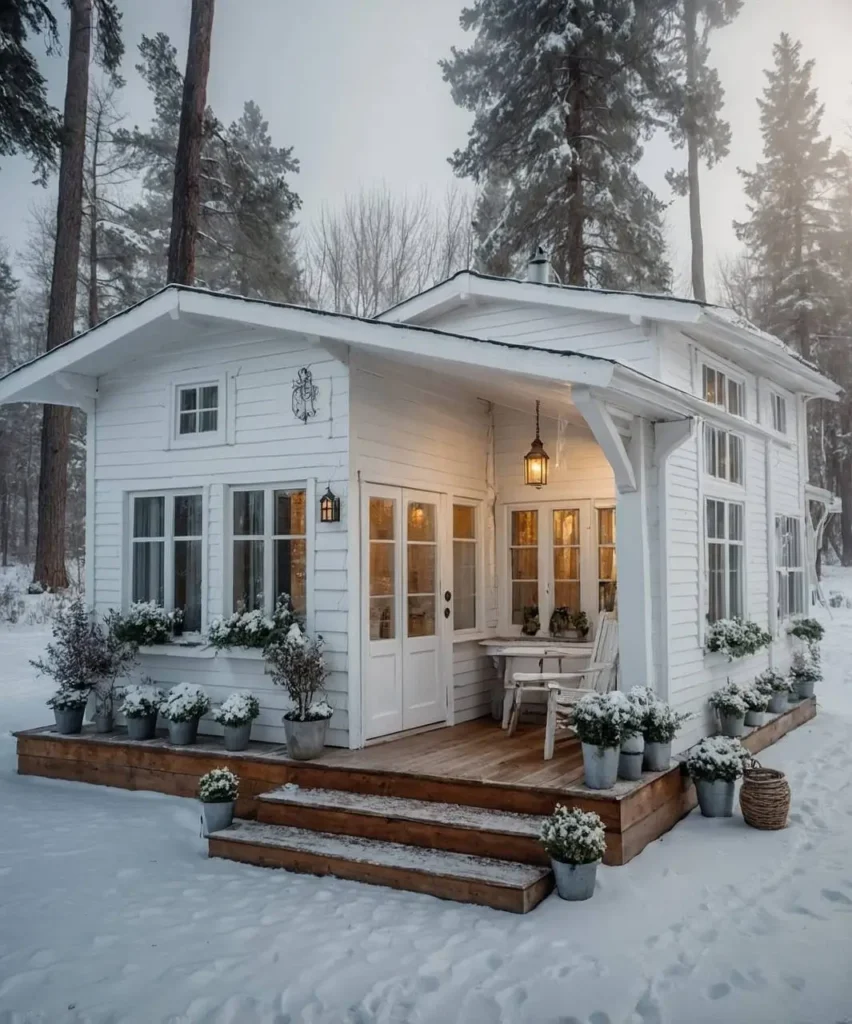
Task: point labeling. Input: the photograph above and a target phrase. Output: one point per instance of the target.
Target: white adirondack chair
(565, 689)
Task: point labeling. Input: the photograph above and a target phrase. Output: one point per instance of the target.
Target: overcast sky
(354, 86)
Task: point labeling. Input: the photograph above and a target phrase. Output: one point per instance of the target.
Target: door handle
(447, 595)
(446, 613)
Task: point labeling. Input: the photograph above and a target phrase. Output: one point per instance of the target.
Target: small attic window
(197, 410)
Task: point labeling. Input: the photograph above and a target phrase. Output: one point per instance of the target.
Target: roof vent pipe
(538, 268)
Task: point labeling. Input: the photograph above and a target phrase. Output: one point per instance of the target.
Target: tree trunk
(845, 481)
(94, 313)
(696, 231)
(50, 544)
(186, 200)
(575, 241)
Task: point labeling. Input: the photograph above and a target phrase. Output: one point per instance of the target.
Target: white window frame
(784, 572)
(478, 525)
(728, 379)
(602, 507)
(209, 438)
(724, 437)
(168, 540)
(778, 408)
(269, 537)
(725, 543)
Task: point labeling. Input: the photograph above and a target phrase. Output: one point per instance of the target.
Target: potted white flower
(731, 708)
(68, 708)
(251, 630)
(805, 671)
(218, 791)
(575, 840)
(737, 638)
(660, 728)
(631, 709)
(182, 708)
(777, 687)
(756, 702)
(145, 624)
(295, 662)
(597, 722)
(715, 764)
(235, 715)
(140, 707)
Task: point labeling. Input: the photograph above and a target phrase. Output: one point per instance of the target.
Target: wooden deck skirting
(512, 774)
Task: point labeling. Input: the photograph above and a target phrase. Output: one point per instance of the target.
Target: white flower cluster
(806, 668)
(736, 637)
(318, 710)
(754, 698)
(250, 629)
(66, 699)
(729, 700)
(141, 701)
(573, 836)
(146, 624)
(628, 712)
(218, 786)
(599, 719)
(771, 682)
(716, 758)
(185, 702)
(237, 709)
(662, 722)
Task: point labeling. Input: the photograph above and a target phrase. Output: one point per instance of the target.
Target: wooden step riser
(432, 835)
(499, 897)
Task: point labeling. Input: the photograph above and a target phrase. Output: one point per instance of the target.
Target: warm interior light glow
(536, 459)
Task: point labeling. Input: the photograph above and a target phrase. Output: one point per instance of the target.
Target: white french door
(403, 611)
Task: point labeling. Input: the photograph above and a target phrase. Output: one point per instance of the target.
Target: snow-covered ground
(110, 911)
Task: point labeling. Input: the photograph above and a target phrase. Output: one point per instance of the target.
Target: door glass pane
(566, 558)
(290, 572)
(149, 517)
(524, 563)
(382, 518)
(606, 526)
(421, 521)
(567, 595)
(606, 596)
(382, 563)
(464, 522)
(566, 563)
(524, 595)
(289, 512)
(382, 618)
(421, 615)
(248, 513)
(566, 526)
(149, 571)
(188, 582)
(464, 584)
(606, 563)
(525, 527)
(188, 515)
(248, 575)
(421, 568)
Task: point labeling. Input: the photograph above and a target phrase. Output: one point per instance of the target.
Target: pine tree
(789, 220)
(692, 100)
(561, 91)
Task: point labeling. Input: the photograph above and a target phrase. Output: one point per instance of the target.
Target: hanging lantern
(329, 507)
(536, 459)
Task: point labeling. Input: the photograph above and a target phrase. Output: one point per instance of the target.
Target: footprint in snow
(719, 990)
(794, 981)
(833, 896)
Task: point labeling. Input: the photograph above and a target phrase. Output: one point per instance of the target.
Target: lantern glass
(535, 465)
(329, 508)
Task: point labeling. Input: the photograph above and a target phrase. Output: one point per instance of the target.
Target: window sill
(179, 650)
(474, 635)
(241, 653)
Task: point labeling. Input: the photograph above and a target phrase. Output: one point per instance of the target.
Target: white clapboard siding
(266, 445)
(612, 337)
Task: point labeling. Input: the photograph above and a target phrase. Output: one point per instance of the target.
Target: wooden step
(456, 828)
(504, 885)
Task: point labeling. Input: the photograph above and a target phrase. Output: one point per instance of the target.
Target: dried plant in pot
(660, 728)
(295, 662)
(757, 703)
(729, 705)
(235, 715)
(777, 687)
(597, 722)
(575, 840)
(218, 791)
(182, 708)
(715, 764)
(140, 707)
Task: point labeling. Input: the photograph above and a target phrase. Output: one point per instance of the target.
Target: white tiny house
(676, 491)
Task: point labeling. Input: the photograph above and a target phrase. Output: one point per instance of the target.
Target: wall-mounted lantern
(329, 507)
(536, 459)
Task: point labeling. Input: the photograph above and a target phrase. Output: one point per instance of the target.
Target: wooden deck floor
(478, 751)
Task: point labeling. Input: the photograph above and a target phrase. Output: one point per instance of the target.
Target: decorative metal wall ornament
(304, 395)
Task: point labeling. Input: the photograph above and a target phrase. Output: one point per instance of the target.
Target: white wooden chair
(565, 689)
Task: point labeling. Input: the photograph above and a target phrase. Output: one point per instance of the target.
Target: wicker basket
(764, 797)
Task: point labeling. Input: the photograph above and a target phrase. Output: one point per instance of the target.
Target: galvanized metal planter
(804, 688)
(217, 816)
(600, 765)
(237, 736)
(658, 756)
(715, 797)
(631, 756)
(69, 720)
(732, 725)
(778, 702)
(755, 718)
(574, 881)
(104, 723)
(182, 734)
(144, 728)
(305, 740)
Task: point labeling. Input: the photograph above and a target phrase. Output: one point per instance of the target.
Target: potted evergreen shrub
(68, 706)
(140, 708)
(235, 715)
(182, 709)
(631, 709)
(715, 764)
(597, 722)
(756, 702)
(660, 728)
(731, 708)
(805, 671)
(218, 791)
(777, 688)
(295, 661)
(575, 840)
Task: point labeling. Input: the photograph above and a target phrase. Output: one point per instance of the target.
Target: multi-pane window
(464, 567)
(723, 527)
(269, 548)
(607, 576)
(166, 553)
(723, 454)
(523, 551)
(197, 409)
(566, 558)
(421, 541)
(789, 566)
(383, 576)
(779, 412)
(721, 390)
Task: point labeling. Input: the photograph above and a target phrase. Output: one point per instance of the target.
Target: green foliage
(599, 720)
(716, 758)
(218, 786)
(809, 630)
(563, 619)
